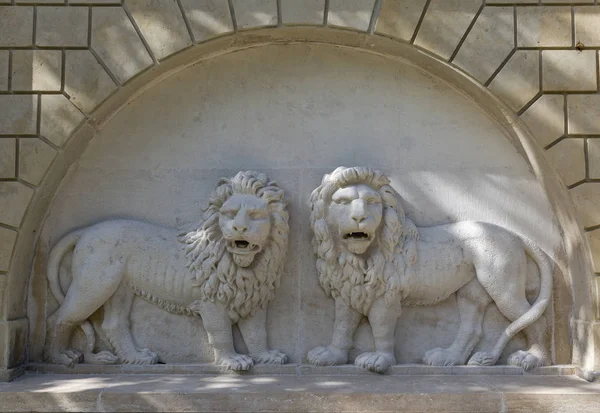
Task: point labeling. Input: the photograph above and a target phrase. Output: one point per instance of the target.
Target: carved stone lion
(372, 259)
(225, 270)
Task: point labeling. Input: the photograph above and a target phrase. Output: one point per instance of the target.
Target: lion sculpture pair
(370, 258)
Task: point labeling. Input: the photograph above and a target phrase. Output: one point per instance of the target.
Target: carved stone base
(299, 393)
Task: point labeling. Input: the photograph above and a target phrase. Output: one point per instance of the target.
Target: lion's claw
(526, 360)
(236, 362)
(482, 358)
(270, 357)
(442, 357)
(377, 362)
(327, 356)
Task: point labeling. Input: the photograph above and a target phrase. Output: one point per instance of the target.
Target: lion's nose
(240, 223)
(358, 213)
(358, 218)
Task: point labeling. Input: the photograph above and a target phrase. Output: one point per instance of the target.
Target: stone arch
(99, 77)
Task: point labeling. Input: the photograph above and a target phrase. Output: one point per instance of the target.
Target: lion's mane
(358, 281)
(213, 268)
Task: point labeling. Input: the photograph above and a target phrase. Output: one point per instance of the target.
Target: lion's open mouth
(243, 246)
(357, 236)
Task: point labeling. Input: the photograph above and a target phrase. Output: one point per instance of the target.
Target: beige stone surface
(482, 53)
(8, 151)
(593, 238)
(61, 26)
(18, 114)
(587, 21)
(35, 156)
(302, 11)
(569, 159)
(3, 69)
(86, 82)
(36, 70)
(511, 2)
(117, 43)
(7, 243)
(566, 70)
(14, 198)
(519, 81)
(445, 23)
(13, 342)
(255, 13)
(161, 24)
(587, 198)
(399, 18)
(59, 118)
(544, 26)
(545, 118)
(208, 18)
(583, 112)
(94, 2)
(355, 14)
(594, 157)
(16, 26)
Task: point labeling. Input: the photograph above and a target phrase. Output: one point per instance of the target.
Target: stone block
(569, 159)
(594, 242)
(255, 13)
(86, 82)
(511, 2)
(445, 23)
(36, 70)
(519, 80)
(14, 198)
(58, 119)
(8, 237)
(587, 22)
(161, 24)
(35, 156)
(302, 11)
(18, 115)
(13, 342)
(544, 26)
(8, 151)
(586, 198)
(117, 43)
(3, 69)
(102, 2)
(399, 18)
(583, 112)
(355, 14)
(62, 26)
(594, 157)
(481, 53)
(569, 70)
(16, 26)
(208, 18)
(62, 2)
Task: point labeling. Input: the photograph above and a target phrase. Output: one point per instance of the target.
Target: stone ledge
(326, 393)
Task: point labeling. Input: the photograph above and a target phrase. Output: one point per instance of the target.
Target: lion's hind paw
(376, 361)
(270, 357)
(67, 357)
(326, 356)
(102, 357)
(482, 358)
(526, 360)
(236, 362)
(442, 357)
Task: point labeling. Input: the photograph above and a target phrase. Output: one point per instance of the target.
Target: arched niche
(297, 111)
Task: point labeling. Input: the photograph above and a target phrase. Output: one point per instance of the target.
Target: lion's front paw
(442, 357)
(143, 356)
(483, 358)
(327, 356)
(236, 362)
(102, 357)
(376, 361)
(526, 360)
(67, 357)
(270, 357)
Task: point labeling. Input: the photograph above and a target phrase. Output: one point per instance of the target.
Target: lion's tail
(66, 244)
(541, 303)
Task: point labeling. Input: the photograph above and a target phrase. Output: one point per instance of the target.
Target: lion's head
(360, 235)
(236, 252)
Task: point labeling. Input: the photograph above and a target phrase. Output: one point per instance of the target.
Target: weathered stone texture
(545, 119)
(85, 80)
(3, 69)
(543, 26)
(62, 26)
(16, 26)
(302, 11)
(35, 156)
(8, 150)
(569, 159)
(445, 22)
(13, 344)
(518, 82)
(59, 118)
(14, 198)
(482, 53)
(117, 43)
(587, 198)
(566, 70)
(254, 13)
(399, 18)
(594, 157)
(18, 114)
(587, 24)
(36, 70)
(7, 243)
(350, 13)
(208, 18)
(161, 24)
(594, 242)
(583, 112)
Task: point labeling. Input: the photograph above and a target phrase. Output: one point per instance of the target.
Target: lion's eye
(229, 214)
(342, 201)
(373, 201)
(257, 215)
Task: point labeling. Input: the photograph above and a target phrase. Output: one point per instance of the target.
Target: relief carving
(372, 260)
(225, 269)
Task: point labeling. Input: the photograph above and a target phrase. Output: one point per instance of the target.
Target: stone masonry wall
(59, 60)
